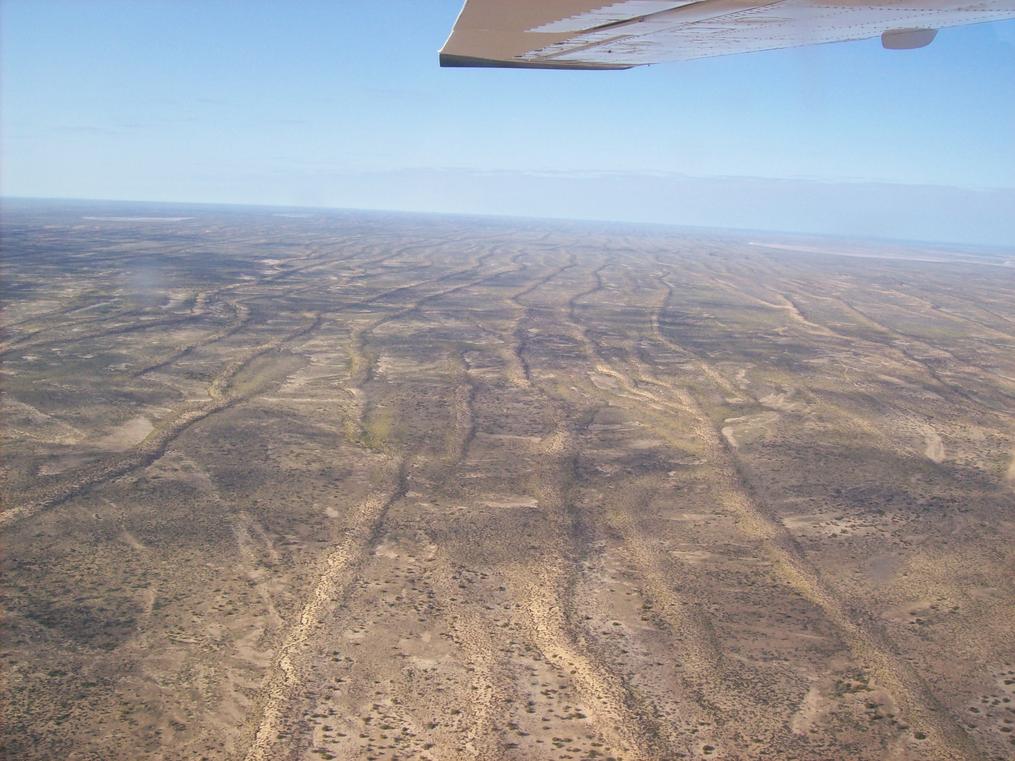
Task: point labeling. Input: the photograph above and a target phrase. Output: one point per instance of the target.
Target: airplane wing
(605, 34)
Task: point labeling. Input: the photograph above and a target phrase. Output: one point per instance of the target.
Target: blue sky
(338, 103)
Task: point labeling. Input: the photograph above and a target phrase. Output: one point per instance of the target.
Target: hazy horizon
(997, 230)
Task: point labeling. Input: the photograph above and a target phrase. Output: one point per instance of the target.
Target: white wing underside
(603, 35)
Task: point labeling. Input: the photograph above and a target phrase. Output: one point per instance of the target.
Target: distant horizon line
(994, 248)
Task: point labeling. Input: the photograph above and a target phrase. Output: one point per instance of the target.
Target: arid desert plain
(356, 485)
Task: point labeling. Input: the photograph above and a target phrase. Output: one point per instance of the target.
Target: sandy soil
(362, 486)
